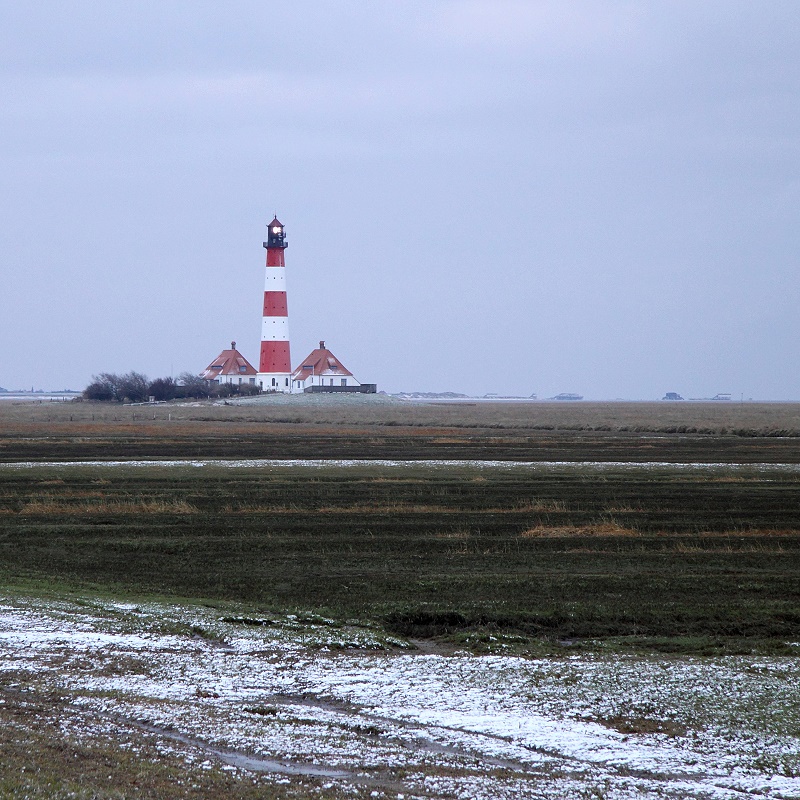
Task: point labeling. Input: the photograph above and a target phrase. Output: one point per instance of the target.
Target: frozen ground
(288, 696)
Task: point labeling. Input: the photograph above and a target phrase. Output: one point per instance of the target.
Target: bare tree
(162, 388)
(103, 387)
(134, 387)
(193, 385)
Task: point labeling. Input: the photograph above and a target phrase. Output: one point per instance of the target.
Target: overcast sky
(506, 196)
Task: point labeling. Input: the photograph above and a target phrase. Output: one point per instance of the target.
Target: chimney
(321, 345)
(233, 345)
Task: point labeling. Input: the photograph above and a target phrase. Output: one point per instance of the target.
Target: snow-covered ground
(285, 695)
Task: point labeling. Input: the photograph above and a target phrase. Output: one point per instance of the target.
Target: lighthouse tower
(274, 366)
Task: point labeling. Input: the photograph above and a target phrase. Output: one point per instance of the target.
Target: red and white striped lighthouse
(274, 366)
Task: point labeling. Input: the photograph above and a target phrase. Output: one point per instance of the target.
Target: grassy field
(699, 560)
(647, 554)
(335, 428)
(703, 559)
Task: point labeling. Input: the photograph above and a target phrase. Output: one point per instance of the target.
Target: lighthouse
(274, 366)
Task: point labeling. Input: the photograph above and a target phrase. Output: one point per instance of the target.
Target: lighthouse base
(274, 381)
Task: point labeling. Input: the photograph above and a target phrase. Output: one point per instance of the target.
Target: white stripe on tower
(274, 369)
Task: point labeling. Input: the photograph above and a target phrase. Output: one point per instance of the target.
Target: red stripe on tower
(275, 304)
(274, 370)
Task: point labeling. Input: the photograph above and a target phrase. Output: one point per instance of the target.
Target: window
(344, 381)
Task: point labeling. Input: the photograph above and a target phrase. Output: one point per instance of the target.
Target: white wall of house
(274, 381)
(235, 379)
(323, 380)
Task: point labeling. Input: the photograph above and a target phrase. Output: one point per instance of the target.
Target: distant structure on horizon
(230, 366)
(274, 364)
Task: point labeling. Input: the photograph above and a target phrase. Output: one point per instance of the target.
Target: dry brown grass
(391, 508)
(717, 542)
(756, 533)
(55, 507)
(543, 506)
(757, 548)
(428, 419)
(569, 531)
(575, 432)
(382, 506)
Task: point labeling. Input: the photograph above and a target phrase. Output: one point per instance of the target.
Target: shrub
(101, 388)
(134, 387)
(191, 385)
(110, 386)
(162, 389)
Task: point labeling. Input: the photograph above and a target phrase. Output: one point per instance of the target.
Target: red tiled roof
(228, 362)
(321, 362)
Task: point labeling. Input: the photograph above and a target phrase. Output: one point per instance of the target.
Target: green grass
(691, 561)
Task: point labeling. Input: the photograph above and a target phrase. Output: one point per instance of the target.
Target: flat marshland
(371, 426)
(602, 539)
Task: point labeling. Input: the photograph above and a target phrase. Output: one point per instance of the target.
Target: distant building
(672, 396)
(230, 366)
(321, 371)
